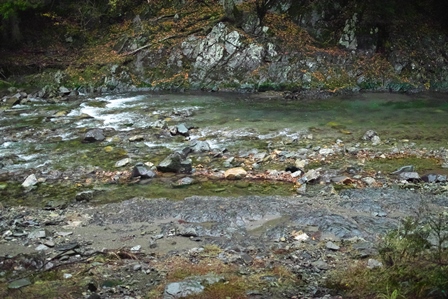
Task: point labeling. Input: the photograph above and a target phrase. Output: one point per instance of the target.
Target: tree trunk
(230, 10)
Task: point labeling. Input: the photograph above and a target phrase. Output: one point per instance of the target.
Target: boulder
(141, 171)
(175, 163)
(236, 173)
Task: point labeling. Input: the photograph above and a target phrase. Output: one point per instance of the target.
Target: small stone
(376, 140)
(137, 267)
(49, 243)
(123, 162)
(63, 234)
(84, 196)
(60, 113)
(311, 175)
(38, 234)
(332, 246)
(64, 90)
(326, 151)
(369, 180)
(17, 284)
(409, 176)
(186, 181)
(94, 135)
(369, 135)
(321, 265)
(136, 138)
(300, 163)
(42, 247)
(372, 263)
(30, 181)
(136, 248)
(67, 275)
(141, 171)
(182, 129)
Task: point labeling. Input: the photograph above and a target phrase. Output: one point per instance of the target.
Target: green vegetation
(414, 259)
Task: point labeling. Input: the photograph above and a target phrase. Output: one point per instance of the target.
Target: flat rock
(123, 162)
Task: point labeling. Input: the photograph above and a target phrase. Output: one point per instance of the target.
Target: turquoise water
(235, 121)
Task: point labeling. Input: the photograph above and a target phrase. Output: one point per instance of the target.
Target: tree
(262, 7)
(10, 16)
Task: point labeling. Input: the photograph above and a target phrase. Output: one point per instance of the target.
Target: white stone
(31, 180)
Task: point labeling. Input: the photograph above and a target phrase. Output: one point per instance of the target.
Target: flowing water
(45, 137)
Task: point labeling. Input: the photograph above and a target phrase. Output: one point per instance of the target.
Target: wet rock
(198, 146)
(160, 124)
(94, 135)
(175, 163)
(60, 114)
(30, 181)
(140, 170)
(180, 129)
(236, 173)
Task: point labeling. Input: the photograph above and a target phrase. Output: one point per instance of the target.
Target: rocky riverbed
(165, 196)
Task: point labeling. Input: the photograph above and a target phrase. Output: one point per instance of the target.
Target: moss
(391, 164)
